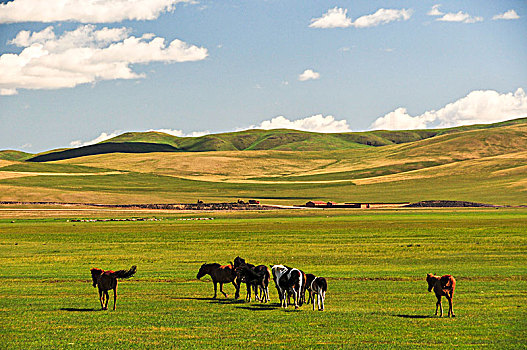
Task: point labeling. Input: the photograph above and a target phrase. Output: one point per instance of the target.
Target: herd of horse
(289, 282)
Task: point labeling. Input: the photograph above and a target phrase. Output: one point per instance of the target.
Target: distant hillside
(277, 139)
(103, 148)
(14, 155)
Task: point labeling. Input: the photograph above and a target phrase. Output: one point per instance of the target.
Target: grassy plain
(375, 262)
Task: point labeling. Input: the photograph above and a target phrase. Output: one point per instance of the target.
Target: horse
(106, 280)
(278, 271)
(256, 277)
(442, 286)
(292, 282)
(318, 288)
(238, 262)
(220, 274)
(309, 278)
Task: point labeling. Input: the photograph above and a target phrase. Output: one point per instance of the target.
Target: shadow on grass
(191, 298)
(259, 307)
(413, 316)
(77, 309)
(226, 301)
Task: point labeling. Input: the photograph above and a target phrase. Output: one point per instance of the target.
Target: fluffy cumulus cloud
(460, 16)
(482, 106)
(334, 18)
(309, 74)
(85, 55)
(511, 14)
(85, 11)
(434, 11)
(180, 133)
(338, 18)
(317, 123)
(102, 137)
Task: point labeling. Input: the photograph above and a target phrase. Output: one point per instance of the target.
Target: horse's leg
(114, 297)
(312, 298)
(450, 306)
(296, 296)
(440, 305)
(215, 289)
(323, 295)
(247, 292)
(237, 289)
(221, 290)
(106, 301)
(101, 298)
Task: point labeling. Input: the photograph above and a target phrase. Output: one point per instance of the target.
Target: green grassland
(375, 263)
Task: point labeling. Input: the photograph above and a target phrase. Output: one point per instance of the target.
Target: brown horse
(442, 286)
(220, 274)
(106, 280)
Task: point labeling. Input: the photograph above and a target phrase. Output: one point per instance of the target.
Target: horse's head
(203, 270)
(95, 273)
(238, 261)
(431, 281)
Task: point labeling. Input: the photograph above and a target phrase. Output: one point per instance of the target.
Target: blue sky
(79, 73)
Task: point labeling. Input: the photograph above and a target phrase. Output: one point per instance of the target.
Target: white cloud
(8, 92)
(85, 11)
(459, 17)
(337, 18)
(334, 18)
(383, 16)
(85, 55)
(317, 123)
(511, 14)
(480, 106)
(180, 133)
(102, 137)
(309, 74)
(434, 11)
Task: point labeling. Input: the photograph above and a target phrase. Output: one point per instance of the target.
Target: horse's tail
(323, 284)
(125, 273)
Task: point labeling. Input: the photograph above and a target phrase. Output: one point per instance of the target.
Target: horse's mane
(96, 271)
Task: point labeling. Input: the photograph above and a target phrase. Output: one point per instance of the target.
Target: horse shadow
(225, 301)
(258, 307)
(78, 309)
(192, 298)
(413, 316)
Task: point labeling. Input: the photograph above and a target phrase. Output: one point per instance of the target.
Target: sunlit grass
(375, 262)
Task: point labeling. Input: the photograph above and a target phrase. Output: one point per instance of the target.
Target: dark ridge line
(105, 148)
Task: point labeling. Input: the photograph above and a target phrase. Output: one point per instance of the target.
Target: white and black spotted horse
(289, 281)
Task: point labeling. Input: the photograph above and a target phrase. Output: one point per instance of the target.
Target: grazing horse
(220, 274)
(106, 280)
(256, 277)
(318, 288)
(309, 278)
(292, 282)
(278, 271)
(442, 286)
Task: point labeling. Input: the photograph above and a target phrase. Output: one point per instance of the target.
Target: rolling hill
(477, 163)
(278, 139)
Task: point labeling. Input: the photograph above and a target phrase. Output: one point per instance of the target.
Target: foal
(318, 288)
(106, 280)
(257, 277)
(442, 286)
